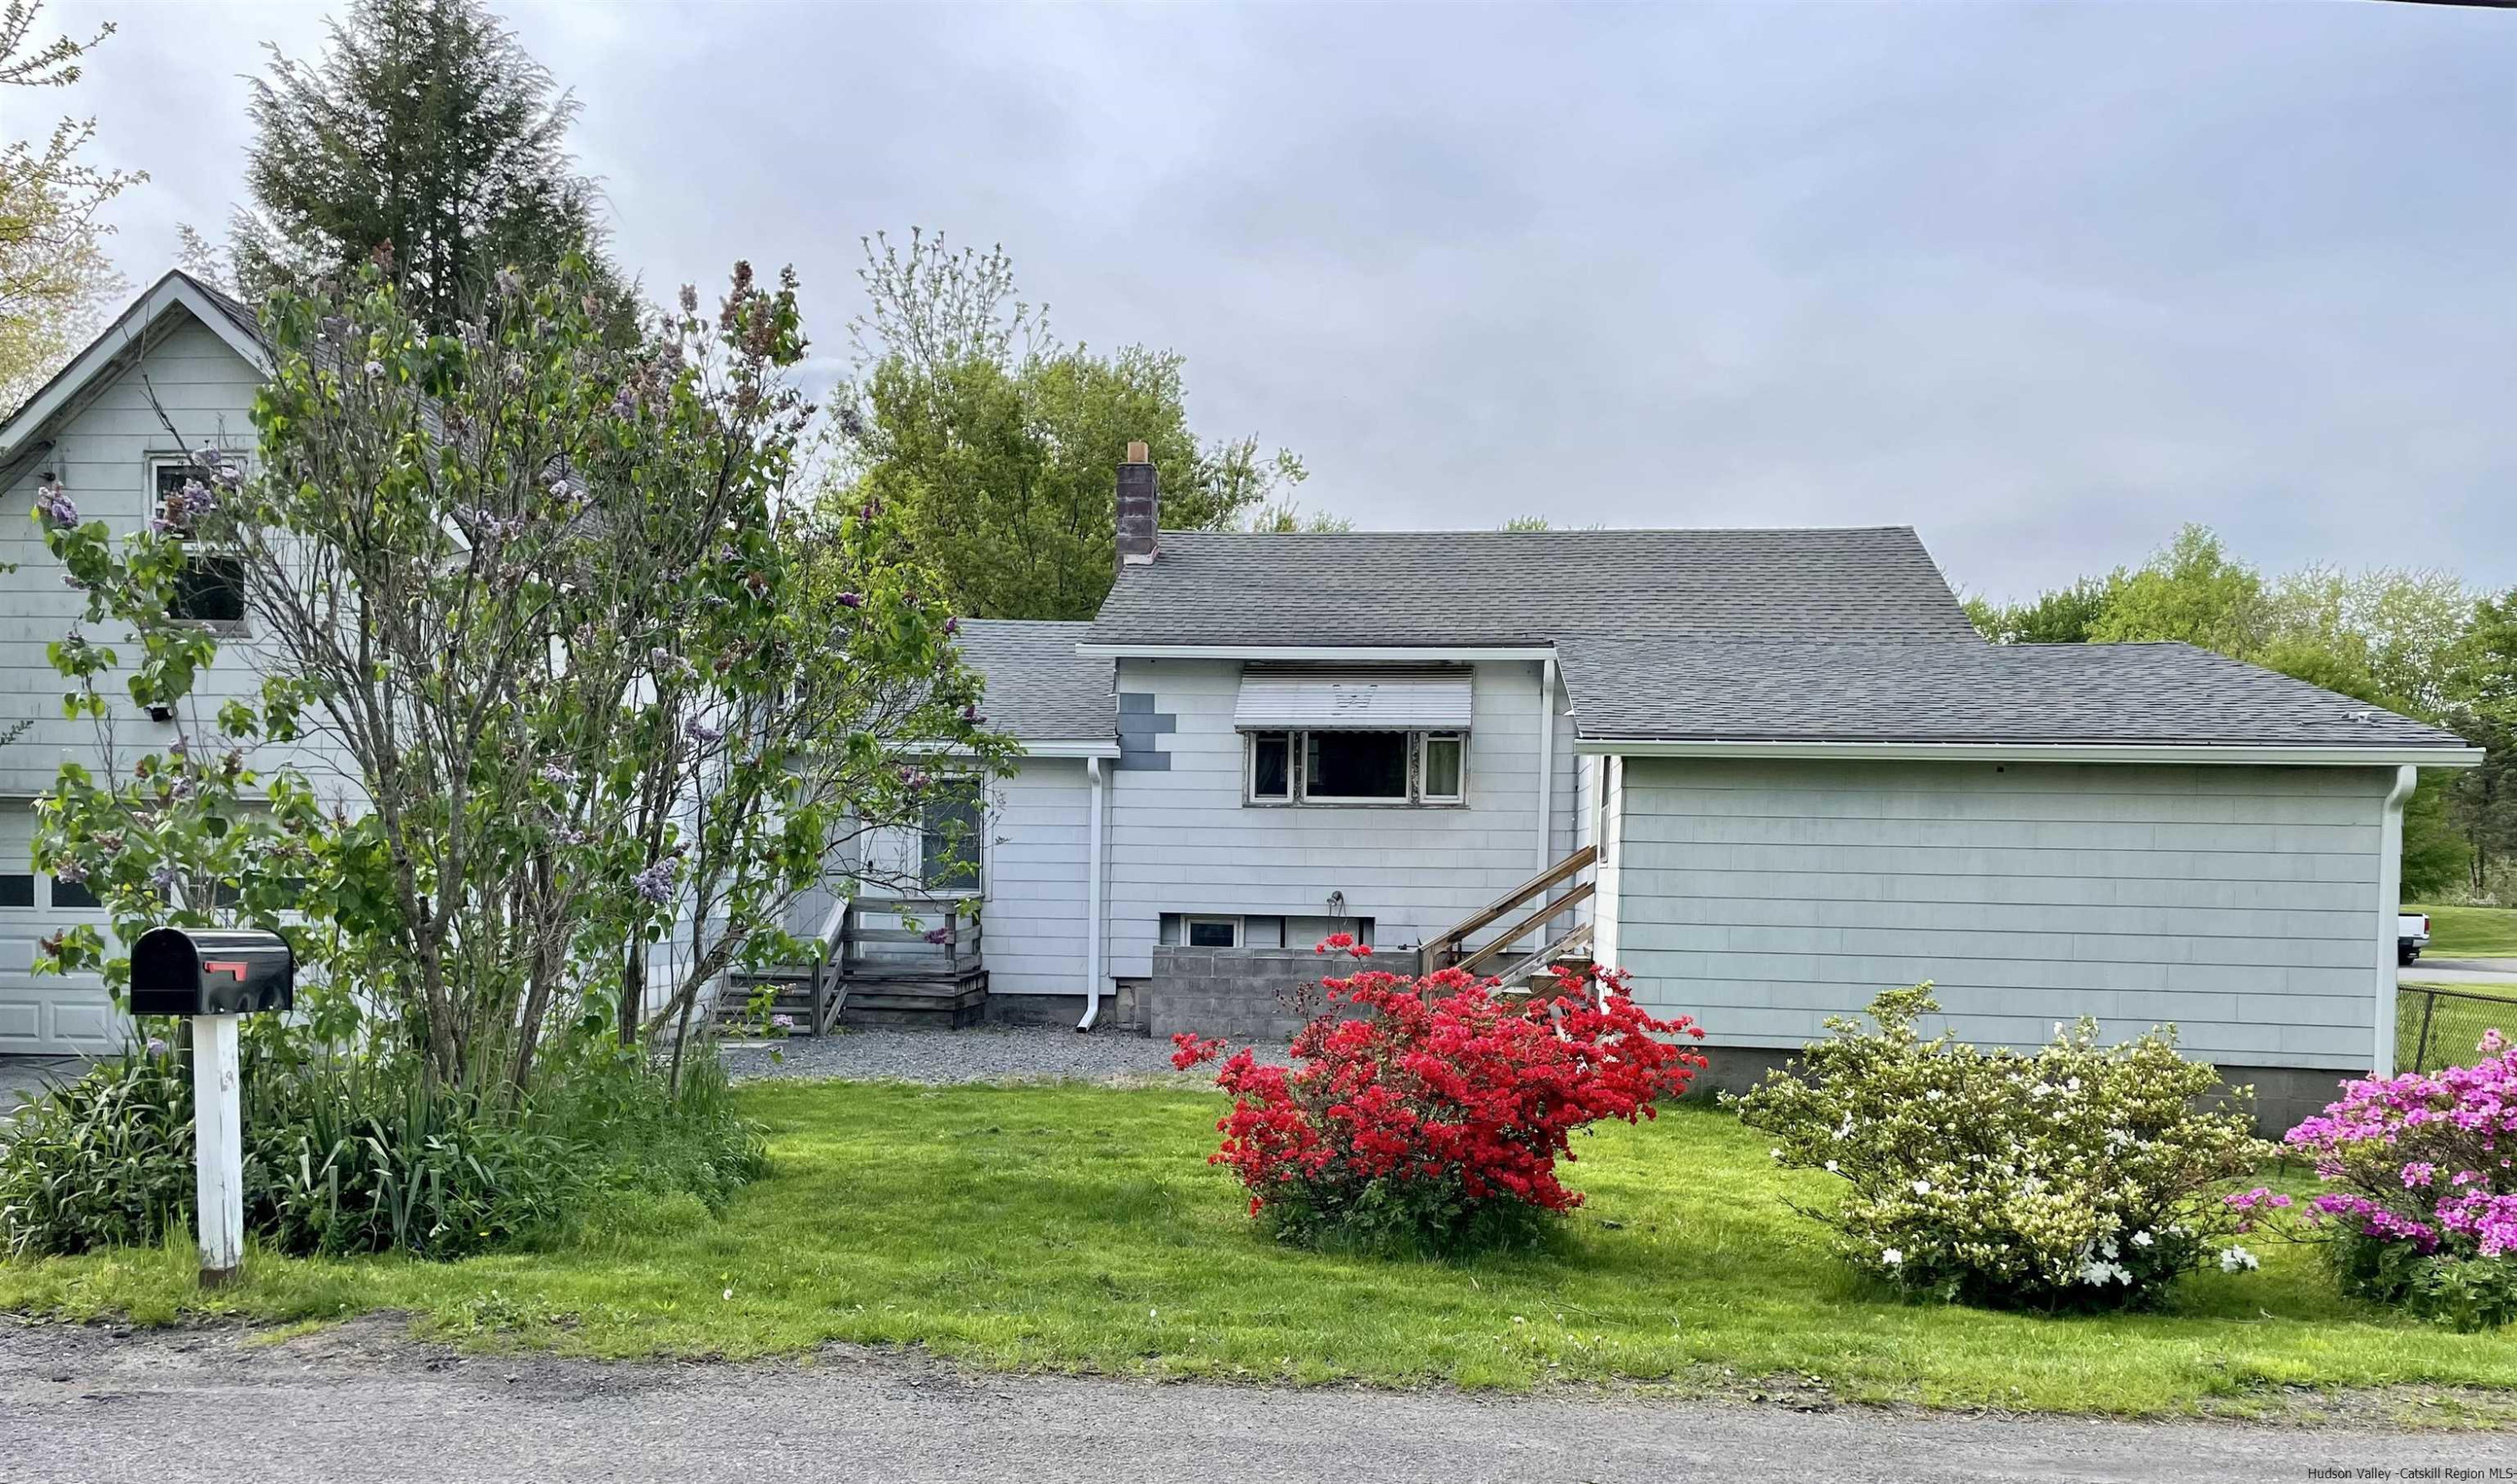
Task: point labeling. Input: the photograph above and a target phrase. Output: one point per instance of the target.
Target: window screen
(948, 851)
(1355, 765)
(1214, 932)
(1441, 766)
(16, 889)
(1271, 765)
(211, 587)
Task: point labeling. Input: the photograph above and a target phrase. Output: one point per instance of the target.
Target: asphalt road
(2455, 971)
(360, 1403)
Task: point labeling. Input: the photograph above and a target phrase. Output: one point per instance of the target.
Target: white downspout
(2390, 892)
(1546, 760)
(1093, 927)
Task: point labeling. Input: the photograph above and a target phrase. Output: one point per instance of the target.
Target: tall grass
(347, 1153)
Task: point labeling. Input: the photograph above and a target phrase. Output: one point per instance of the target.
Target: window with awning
(1358, 702)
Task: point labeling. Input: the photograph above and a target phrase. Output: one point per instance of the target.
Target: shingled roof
(1039, 688)
(1489, 587)
(2062, 694)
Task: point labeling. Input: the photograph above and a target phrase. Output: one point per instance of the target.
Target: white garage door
(47, 1014)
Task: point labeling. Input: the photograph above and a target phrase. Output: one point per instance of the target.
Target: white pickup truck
(2412, 935)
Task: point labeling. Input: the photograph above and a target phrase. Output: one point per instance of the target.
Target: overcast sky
(2043, 282)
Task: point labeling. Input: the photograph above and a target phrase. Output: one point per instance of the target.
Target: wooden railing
(947, 925)
(1450, 949)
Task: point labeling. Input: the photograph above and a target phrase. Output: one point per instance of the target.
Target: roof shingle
(1039, 688)
(2091, 693)
(1491, 587)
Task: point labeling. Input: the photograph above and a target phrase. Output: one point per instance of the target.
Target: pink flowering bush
(2423, 1209)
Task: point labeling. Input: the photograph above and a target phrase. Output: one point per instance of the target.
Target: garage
(44, 1014)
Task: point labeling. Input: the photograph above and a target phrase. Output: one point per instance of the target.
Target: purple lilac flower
(656, 882)
(156, 1045)
(557, 775)
(54, 504)
(194, 499)
(702, 733)
(70, 868)
(851, 600)
(939, 935)
(952, 625)
(164, 878)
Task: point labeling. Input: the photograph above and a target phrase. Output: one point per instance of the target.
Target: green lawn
(2470, 932)
(1073, 1228)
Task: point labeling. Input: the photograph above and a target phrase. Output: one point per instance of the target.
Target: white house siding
(1033, 932)
(44, 1014)
(102, 455)
(2240, 903)
(1181, 841)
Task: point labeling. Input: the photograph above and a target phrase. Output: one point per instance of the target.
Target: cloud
(2044, 282)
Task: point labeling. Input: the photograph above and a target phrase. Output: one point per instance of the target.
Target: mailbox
(212, 971)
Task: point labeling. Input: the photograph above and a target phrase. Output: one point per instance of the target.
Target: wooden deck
(890, 961)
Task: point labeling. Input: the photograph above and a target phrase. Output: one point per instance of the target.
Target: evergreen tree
(424, 140)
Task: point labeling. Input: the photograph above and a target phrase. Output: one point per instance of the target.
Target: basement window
(1211, 932)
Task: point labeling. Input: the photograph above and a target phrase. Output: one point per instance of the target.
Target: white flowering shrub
(2079, 1177)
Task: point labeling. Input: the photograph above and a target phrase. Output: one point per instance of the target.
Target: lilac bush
(2422, 1211)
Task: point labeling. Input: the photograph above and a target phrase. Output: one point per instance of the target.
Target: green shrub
(354, 1155)
(2464, 1293)
(2080, 1176)
(106, 1161)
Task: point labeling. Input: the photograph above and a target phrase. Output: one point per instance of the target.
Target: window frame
(1249, 793)
(1407, 795)
(241, 625)
(976, 841)
(1424, 781)
(1191, 921)
(1298, 794)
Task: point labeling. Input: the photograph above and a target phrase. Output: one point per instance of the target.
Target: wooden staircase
(884, 961)
(1503, 957)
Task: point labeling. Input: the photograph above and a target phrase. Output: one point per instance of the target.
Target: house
(1769, 773)
(119, 427)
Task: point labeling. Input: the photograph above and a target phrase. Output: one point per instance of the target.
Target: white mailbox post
(214, 976)
(218, 1144)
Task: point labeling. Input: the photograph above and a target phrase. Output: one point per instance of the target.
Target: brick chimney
(1139, 508)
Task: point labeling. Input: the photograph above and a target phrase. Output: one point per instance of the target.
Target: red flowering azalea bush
(1430, 1116)
(2423, 1209)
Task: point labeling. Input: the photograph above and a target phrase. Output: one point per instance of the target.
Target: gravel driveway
(977, 1055)
(361, 1403)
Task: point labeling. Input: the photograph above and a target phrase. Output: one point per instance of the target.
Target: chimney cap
(1138, 452)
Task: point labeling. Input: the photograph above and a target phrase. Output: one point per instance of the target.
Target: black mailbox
(212, 971)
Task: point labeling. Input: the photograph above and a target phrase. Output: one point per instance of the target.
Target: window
(1442, 770)
(73, 894)
(211, 587)
(16, 889)
(1212, 932)
(1356, 767)
(1271, 767)
(952, 817)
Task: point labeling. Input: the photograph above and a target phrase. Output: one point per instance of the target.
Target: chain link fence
(2438, 1028)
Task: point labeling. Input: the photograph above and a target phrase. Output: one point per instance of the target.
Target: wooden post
(218, 1139)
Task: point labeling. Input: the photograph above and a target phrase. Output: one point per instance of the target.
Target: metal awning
(1362, 701)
